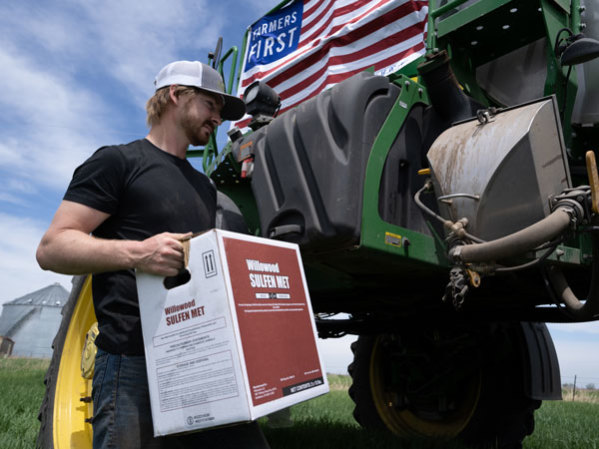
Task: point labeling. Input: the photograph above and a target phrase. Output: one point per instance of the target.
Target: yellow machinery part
(593, 180)
(404, 423)
(71, 409)
(88, 354)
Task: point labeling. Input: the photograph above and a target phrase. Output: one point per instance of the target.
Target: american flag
(310, 45)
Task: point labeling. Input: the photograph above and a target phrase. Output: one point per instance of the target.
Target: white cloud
(57, 117)
(9, 154)
(10, 198)
(19, 272)
(21, 186)
(74, 73)
(55, 123)
(135, 39)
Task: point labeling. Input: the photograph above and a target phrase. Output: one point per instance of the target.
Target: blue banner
(274, 36)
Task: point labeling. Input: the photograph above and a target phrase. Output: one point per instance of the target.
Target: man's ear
(172, 93)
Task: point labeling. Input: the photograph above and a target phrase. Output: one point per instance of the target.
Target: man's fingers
(182, 237)
(165, 253)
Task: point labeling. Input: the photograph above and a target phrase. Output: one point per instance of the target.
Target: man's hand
(162, 254)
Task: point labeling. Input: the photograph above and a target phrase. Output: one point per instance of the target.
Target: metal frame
(421, 248)
(556, 14)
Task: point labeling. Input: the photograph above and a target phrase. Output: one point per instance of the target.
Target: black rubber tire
(365, 412)
(228, 215)
(501, 416)
(46, 416)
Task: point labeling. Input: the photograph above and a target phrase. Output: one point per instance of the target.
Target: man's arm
(67, 246)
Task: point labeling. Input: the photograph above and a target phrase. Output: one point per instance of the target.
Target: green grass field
(21, 393)
(323, 423)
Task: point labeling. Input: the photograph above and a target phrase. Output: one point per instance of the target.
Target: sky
(76, 76)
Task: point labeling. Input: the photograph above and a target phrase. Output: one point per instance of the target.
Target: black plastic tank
(310, 164)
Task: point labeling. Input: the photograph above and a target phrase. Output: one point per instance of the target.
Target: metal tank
(499, 171)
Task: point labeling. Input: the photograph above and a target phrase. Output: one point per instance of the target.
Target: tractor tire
(67, 408)
(465, 386)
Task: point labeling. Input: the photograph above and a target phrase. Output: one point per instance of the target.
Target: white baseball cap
(204, 77)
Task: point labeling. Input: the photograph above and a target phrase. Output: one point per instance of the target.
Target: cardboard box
(234, 343)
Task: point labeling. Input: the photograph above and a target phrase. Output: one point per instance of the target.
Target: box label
(270, 300)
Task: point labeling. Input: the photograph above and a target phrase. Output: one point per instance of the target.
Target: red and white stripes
(340, 38)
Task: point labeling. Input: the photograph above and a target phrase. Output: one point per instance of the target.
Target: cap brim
(234, 107)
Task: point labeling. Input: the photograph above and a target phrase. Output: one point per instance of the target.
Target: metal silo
(32, 321)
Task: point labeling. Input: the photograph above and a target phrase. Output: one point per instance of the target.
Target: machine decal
(392, 239)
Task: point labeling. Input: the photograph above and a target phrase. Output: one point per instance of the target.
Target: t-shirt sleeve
(99, 181)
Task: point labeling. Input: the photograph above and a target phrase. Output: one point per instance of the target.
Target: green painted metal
(224, 171)
(564, 4)
(585, 243)
(468, 15)
(233, 52)
(575, 16)
(471, 37)
(421, 247)
(211, 150)
(558, 82)
(440, 10)
(409, 70)
(344, 274)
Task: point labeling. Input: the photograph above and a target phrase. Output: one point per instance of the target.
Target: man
(129, 207)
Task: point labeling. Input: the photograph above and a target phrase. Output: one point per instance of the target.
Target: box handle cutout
(181, 278)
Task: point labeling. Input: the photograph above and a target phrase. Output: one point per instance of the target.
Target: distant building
(32, 321)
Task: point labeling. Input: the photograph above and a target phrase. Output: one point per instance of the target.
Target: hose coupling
(576, 202)
(456, 230)
(455, 254)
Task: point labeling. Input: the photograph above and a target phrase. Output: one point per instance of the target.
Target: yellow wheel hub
(72, 400)
(404, 422)
(88, 354)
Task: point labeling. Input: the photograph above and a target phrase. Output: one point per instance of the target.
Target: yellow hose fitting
(593, 180)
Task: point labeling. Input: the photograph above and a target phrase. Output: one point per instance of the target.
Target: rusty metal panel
(500, 174)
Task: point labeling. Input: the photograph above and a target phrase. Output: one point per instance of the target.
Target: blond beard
(193, 128)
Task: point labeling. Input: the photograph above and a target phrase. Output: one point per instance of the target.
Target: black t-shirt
(146, 191)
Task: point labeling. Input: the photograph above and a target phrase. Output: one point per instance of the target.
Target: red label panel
(274, 320)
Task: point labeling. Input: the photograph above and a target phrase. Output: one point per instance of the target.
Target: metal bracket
(485, 116)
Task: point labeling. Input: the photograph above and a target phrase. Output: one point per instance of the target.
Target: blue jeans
(123, 419)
